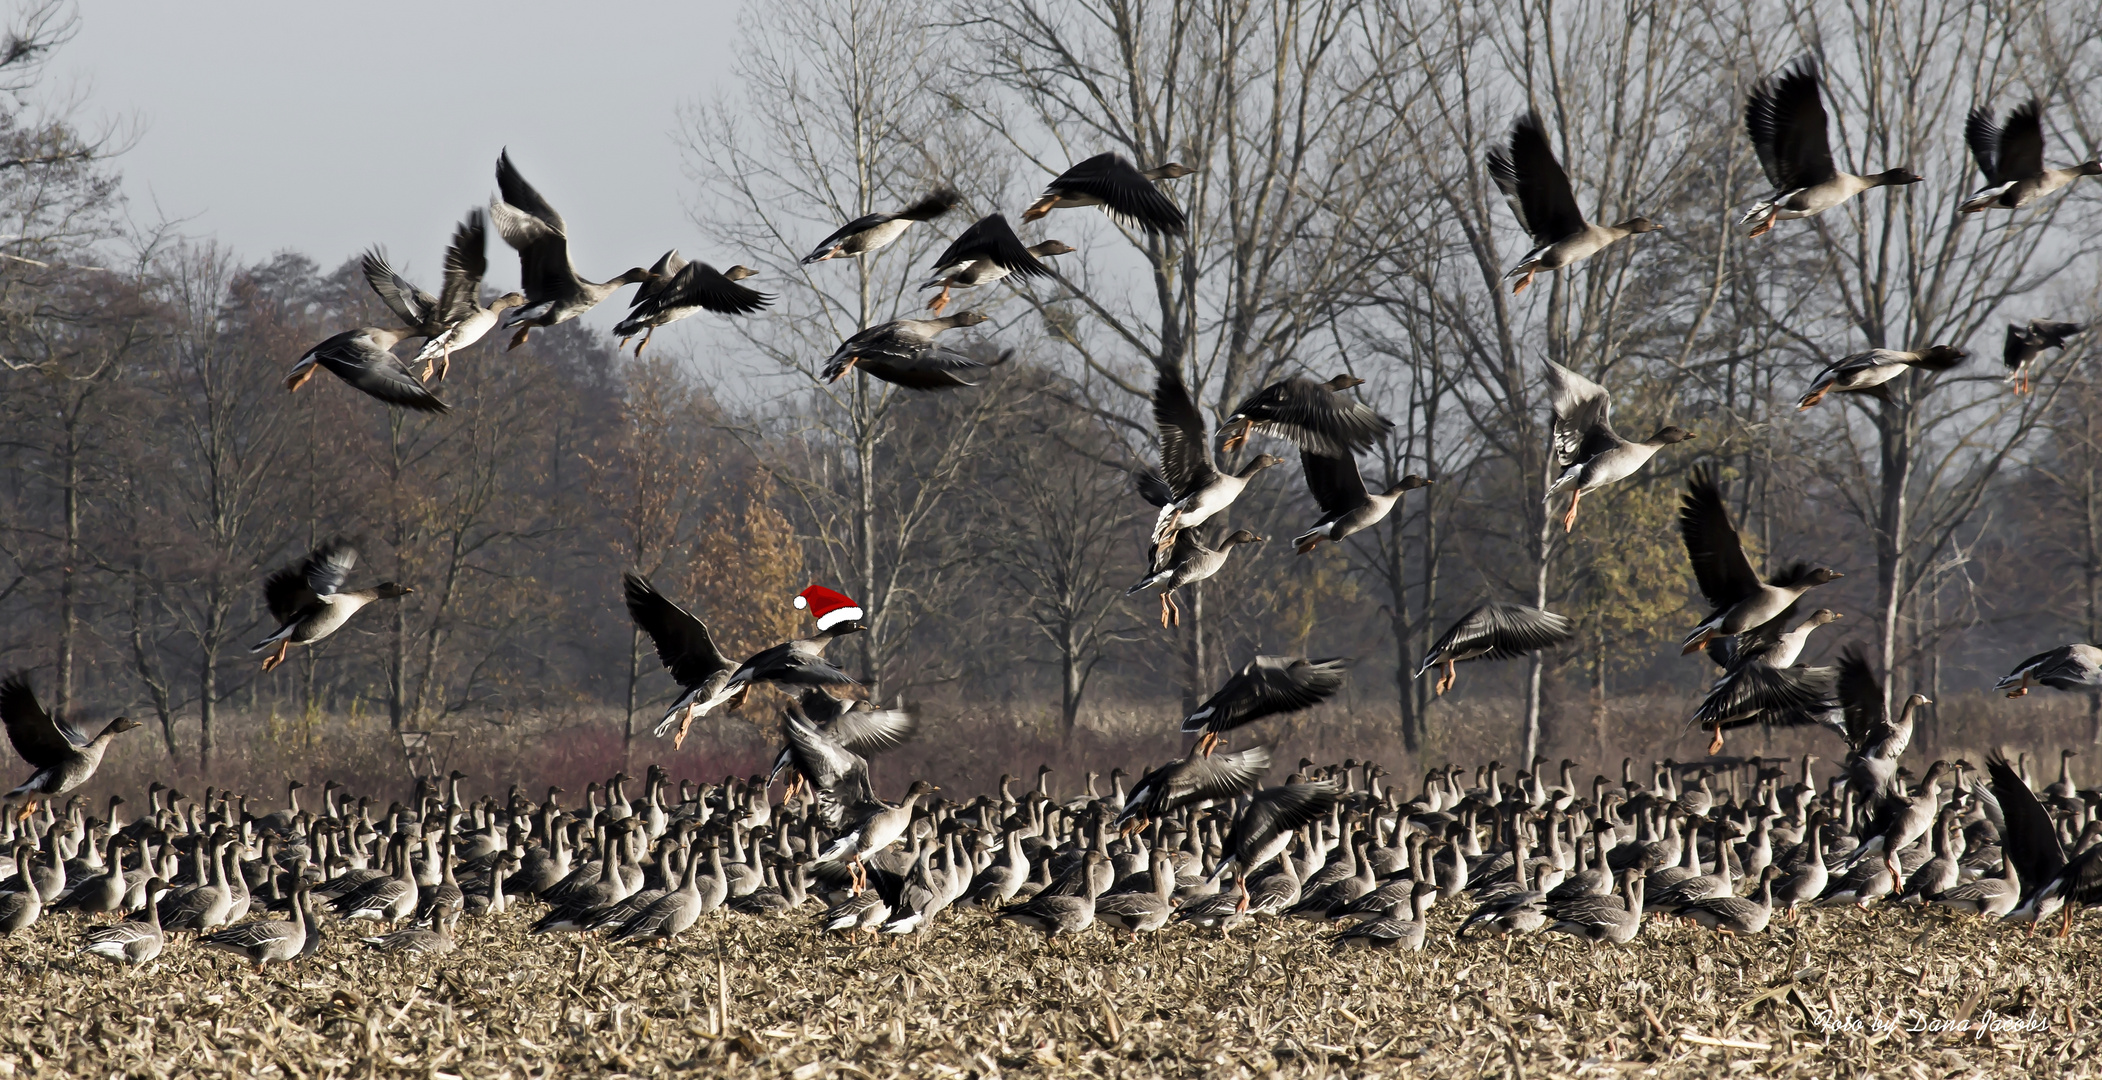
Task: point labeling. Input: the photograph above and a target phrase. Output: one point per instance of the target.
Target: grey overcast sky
(325, 127)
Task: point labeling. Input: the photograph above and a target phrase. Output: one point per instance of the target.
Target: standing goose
(1055, 914)
(2067, 667)
(553, 291)
(20, 909)
(1494, 631)
(985, 253)
(2011, 155)
(798, 662)
(1129, 195)
(903, 352)
(1189, 559)
(1868, 372)
(1808, 880)
(1785, 117)
(1195, 489)
(1761, 683)
(1265, 686)
(1538, 190)
(309, 602)
(677, 288)
(134, 941)
(1601, 918)
(1734, 914)
(870, 233)
(364, 358)
(63, 757)
(460, 319)
(1347, 507)
(1138, 913)
(417, 941)
(673, 913)
(265, 940)
(2026, 342)
(1314, 416)
(1191, 780)
(1590, 454)
(1740, 600)
(684, 645)
(1402, 927)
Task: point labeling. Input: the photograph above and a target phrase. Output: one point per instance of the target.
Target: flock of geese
(1192, 846)
(1725, 844)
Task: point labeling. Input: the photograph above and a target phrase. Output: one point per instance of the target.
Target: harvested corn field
(972, 998)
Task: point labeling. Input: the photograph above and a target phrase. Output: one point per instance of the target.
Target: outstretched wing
(40, 739)
(1534, 182)
(466, 262)
(1719, 566)
(683, 642)
(1185, 456)
(1583, 425)
(1785, 117)
(410, 304)
(1861, 696)
(1122, 190)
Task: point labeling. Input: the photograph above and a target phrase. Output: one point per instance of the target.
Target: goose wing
(1499, 631)
(1312, 416)
(292, 589)
(357, 358)
(466, 262)
(411, 305)
(41, 739)
(1267, 686)
(1861, 697)
(536, 231)
(865, 729)
(683, 642)
(1334, 481)
(1785, 117)
(1725, 576)
(1279, 810)
(1583, 424)
(1534, 183)
(1194, 780)
(992, 239)
(2027, 836)
(1122, 190)
(1185, 455)
(2018, 144)
(703, 286)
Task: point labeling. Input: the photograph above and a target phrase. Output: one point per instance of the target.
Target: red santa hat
(827, 607)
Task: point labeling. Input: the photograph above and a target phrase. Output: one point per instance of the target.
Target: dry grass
(973, 998)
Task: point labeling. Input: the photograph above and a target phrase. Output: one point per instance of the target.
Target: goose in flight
(1785, 117)
(554, 292)
(1539, 193)
(1130, 196)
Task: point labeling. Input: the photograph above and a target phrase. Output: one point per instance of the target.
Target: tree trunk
(1892, 513)
(207, 706)
(69, 558)
(1071, 679)
(627, 731)
(1192, 604)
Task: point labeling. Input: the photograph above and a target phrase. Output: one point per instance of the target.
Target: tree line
(152, 468)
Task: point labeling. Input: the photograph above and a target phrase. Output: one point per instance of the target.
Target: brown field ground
(971, 998)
